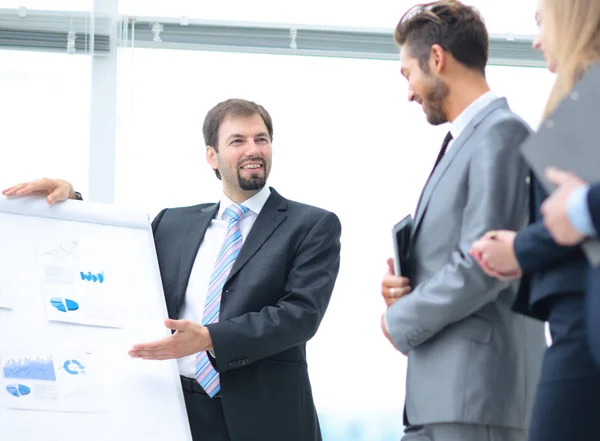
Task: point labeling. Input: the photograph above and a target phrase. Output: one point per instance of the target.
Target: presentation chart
(5, 298)
(59, 382)
(76, 287)
(5, 293)
(79, 286)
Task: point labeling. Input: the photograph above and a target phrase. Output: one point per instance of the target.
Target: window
(507, 16)
(45, 113)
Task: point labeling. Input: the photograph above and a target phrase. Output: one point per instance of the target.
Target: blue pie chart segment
(18, 390)
(71, 305)
(74, 367)
(64, 305)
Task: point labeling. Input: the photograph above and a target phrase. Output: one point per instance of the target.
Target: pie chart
(64, 305)
(18, 390)
(73, 367)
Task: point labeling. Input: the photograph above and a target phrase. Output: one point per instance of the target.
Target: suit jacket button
(245, 361)
(231, 364)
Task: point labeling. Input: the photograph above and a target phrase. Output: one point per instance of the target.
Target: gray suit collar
(449, 157)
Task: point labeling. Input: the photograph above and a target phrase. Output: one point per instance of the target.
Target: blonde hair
(574, 39)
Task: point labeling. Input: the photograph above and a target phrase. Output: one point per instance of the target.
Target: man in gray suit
(472, 363)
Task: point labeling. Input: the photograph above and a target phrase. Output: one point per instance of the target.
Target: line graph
(83, 392)
(30, 369)
(61, 251)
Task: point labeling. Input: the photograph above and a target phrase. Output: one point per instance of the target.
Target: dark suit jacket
(593, 286)
(548, 268)
(272, 304)
(594, 205)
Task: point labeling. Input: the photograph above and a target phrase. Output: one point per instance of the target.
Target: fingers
(489, 271)
(390, 263)
(394, 287)
(556, 176)
(477, 247)
(40, 185)
(176, 325)
(157, 350)
(478, 255)
(56, 189)
(509, 276)
(395, 292)
(27, 188)
(394, 281)
(58, 194)
(392, 294)
(12, 191)
(490, 235)
(544, 210)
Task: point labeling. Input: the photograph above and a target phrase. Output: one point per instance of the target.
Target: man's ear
(437, 58)
(211, 157)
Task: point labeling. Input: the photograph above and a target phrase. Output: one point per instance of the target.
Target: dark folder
(569, 140)
(401, 239)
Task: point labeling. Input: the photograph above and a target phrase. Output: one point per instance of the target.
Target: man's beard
(435, 101)
(254, 183)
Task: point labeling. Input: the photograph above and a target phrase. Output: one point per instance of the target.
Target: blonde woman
(567, 405)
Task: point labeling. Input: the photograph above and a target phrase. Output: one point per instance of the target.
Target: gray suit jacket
(470, 359)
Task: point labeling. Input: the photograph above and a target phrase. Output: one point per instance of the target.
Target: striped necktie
(206, 375)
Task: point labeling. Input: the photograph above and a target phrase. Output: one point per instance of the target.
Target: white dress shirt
(464, 119)
(195, 295)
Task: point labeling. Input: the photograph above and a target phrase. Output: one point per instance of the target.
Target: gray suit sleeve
(497, 199)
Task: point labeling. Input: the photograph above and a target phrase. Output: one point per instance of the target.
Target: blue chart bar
(28, 369)
(89, 277)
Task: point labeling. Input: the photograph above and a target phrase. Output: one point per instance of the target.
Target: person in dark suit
(593, 287)
(553, 276)
(593, 200)
(247, 282)
(572, 215)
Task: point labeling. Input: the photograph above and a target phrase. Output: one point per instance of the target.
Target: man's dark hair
(457, 28)
(232, 107)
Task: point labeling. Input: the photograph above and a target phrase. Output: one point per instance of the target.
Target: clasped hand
(393, 287)
(494, 252)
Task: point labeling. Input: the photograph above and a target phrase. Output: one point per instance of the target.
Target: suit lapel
(197, 224)
(446, 161)
(439, 172)
(271, 216)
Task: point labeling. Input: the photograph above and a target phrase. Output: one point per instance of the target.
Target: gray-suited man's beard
(435, 101)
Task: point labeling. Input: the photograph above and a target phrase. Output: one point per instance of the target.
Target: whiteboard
(79, 285)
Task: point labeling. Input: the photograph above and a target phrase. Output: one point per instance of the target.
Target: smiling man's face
(424, 87)
(243, 156)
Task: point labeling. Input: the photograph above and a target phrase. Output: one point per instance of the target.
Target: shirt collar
(467, 115)
(255, 204)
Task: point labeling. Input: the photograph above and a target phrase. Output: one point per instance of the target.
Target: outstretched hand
(189, 338)
(55, 190)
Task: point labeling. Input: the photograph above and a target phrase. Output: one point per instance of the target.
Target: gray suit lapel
(197, 224)
(270, 217)
(449, 157)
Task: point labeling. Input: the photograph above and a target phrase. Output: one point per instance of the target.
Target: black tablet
(401, 239)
